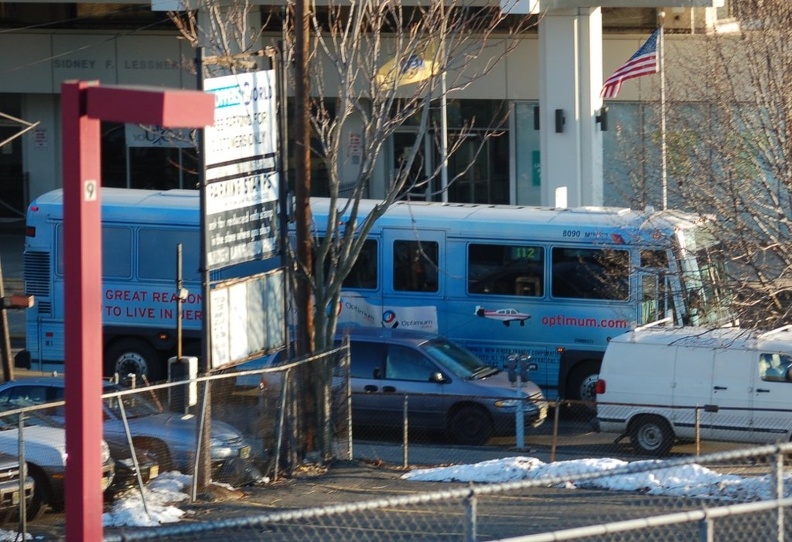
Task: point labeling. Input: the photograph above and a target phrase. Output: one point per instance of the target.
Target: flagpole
(443, 112)
(661, 69)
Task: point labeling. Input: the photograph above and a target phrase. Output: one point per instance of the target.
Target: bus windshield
(704, 279)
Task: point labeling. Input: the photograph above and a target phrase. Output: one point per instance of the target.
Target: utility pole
(302, 214)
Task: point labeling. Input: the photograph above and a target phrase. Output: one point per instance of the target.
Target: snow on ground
(167, 491)
(681, 481)
(161, 495)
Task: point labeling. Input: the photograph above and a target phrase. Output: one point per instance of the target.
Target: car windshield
(457, 360)
(135, 405)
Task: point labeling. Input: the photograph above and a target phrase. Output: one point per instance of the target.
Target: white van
(653, 379)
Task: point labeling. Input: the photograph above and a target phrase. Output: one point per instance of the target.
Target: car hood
(172, 426)
(500, 381)
(39, 435)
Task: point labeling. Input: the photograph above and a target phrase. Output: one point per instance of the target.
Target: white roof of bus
(132, 205)
(492, 220)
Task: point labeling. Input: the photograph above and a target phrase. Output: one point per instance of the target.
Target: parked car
(125, 470)
(656, 383)
(9, 488)
(168, 436)
(448, 388)
(45, 454)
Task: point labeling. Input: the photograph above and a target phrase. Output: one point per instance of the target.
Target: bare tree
(375, 66)
(378, 66)
(729, 138)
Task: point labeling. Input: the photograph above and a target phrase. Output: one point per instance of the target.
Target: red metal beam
(172, 108)
(83, 106)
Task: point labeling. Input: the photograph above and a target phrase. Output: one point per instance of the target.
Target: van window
(506, 270)
(367, 359)
(775, 367)
(405, 363)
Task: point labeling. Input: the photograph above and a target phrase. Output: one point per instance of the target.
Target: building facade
(129, 44)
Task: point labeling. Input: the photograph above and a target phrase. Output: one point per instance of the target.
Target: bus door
(413, 273)
(654, 294)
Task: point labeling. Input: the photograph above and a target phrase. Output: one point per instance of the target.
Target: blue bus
(141, 230)
(554, 284)
(551, 283)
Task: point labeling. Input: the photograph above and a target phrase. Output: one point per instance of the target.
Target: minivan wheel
(471, 426)
(651, 435)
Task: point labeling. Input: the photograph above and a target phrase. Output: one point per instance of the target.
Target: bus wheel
(133, 357)
(582, 385)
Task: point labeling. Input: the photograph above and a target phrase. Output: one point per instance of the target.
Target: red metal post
(82, 238)
(83, 105)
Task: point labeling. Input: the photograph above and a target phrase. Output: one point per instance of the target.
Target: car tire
(471, 425)
(159, 451)
(651, 435)
(133, 356)
(42, 494)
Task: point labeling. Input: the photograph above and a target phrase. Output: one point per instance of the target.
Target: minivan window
(367, 359)
(456, 360)
(404, 363)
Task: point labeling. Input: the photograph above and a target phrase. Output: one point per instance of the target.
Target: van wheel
(131, 356)
(651, 435)
(470, 426)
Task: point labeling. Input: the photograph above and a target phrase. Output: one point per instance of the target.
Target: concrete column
(570, 74)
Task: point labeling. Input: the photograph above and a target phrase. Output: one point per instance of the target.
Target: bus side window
(591, 273)
(365, 271)
(415, 266)
(505, 270)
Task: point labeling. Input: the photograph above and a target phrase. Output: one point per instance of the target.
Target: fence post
(281, 422)
(471, 505)
(778, 491)
(706, 530)
(698, 430)
(23, 473)
(556, 418)
(405, 436)
(348, 374)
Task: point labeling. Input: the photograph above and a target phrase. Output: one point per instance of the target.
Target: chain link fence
(578, 505)
(257, 408)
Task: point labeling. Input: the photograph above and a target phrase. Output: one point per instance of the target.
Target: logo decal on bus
(389, 319)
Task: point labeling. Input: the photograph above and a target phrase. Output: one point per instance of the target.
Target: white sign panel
(247, 318)
(242, 169)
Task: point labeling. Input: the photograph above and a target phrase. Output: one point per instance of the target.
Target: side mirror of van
(438, 378)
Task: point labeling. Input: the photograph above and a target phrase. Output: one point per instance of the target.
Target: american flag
(643, 62)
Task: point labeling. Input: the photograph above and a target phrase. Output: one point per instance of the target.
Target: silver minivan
(447, 387)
